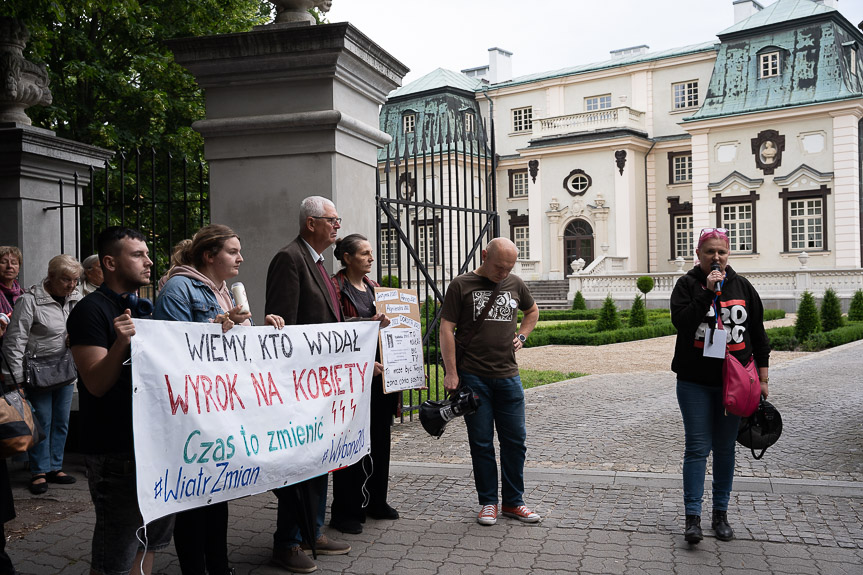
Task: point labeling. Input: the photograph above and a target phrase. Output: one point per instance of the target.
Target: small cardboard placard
(401, 342)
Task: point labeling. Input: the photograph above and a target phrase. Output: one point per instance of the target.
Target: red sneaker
(522, 513)
(487, 515)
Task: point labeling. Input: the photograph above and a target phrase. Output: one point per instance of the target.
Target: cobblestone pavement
(604, 456)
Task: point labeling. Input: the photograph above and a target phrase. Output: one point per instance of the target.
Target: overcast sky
(542, 34)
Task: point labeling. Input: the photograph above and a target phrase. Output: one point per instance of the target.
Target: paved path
(604, 457)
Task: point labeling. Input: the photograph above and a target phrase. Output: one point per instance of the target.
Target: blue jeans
(501, 406)
(706, 427)
(52, 411)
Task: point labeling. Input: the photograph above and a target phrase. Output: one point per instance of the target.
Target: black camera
(434, 415)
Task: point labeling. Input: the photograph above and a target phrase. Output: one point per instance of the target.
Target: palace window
(522, 119)
(805, 224)
(469, 122)
(389, 243)
(522, 241)
(518, 183)
(737, 219)
(805, 219)
(685, 95)
(768, 64)
(409, 123)
(427, 242)
(683, 236)
(597, 102)
(680, 167)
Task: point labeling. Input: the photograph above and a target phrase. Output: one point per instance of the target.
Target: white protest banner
(219, 416)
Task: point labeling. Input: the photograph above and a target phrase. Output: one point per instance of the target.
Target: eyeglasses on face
(332, 221)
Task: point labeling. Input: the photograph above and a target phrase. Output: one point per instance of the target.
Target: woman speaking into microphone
(712, 287)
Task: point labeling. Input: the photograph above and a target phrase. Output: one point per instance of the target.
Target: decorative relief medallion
(767, 149)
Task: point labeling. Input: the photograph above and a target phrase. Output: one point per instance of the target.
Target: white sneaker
(487, 515)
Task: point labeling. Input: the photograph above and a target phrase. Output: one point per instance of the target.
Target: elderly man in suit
(299, 289)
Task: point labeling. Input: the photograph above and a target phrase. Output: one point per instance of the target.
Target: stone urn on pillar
(24, 83)
(297, 11)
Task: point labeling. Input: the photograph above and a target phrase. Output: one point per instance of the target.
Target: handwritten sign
(219, 416)
(401, 342)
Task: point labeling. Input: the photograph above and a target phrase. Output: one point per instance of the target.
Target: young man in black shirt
(100, 330)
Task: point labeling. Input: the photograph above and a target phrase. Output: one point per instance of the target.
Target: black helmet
(761, 429)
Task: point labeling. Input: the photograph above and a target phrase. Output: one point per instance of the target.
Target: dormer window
(768, 64)
(409, 122)
(468, 122)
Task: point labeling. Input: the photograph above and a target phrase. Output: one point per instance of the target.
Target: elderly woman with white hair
(92, 274)
(38, 330)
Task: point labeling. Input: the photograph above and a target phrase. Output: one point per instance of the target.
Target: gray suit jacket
(296, 289)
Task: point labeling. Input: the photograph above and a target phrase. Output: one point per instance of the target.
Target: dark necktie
(330, 288)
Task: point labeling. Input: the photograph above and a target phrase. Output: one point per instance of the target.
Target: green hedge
(770, 314)
(583, 314)
(783, 338)
(584, 334)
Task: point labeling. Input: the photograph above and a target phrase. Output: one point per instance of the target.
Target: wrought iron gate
(437, 207)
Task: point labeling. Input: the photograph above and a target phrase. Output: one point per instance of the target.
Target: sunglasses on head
(708, 231)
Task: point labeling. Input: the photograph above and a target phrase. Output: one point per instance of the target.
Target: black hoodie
(692, 315)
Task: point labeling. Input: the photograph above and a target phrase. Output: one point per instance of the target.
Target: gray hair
(90, 262)
(63, 263)
(313, 207)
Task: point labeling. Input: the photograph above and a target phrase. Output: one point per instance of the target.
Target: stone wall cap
(316, 44)
(16, 137)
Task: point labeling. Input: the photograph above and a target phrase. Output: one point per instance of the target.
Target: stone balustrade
(621, 117)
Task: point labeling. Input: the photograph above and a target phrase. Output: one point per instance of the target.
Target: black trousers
(201, 540)
(348, 494)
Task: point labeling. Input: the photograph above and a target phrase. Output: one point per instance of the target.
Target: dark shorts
(119, 534)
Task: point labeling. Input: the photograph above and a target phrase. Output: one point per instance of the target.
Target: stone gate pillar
(292, 111)
(33, 163)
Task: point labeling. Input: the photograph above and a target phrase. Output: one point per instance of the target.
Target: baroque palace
(608, 171)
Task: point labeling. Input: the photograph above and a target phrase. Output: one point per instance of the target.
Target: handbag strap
(3, 389)
(462, 346)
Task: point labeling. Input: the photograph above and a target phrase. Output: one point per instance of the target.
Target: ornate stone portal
(24, 83)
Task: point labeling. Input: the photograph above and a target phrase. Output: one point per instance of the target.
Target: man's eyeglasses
(332, 221)
(708, 231)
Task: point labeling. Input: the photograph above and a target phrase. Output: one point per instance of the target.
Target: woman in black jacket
(712, 285)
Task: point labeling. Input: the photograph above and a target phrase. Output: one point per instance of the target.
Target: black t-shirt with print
(491, 353)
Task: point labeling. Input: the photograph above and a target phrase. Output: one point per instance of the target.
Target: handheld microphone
(718, 286)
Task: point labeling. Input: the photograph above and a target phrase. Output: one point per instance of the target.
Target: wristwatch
(522, 337)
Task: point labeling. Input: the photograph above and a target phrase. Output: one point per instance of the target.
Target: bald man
(487, 365)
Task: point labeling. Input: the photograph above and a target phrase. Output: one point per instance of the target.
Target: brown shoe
(293, 559)
(326, 546)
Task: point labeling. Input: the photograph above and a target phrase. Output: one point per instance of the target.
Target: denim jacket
(186, 299)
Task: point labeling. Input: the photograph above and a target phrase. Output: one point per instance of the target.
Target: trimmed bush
(831, 311)
(644, 284)
(782, 338)
(608, 319)
(808, 321)
(855, 312)
(578, 301)
(770, 314)
(637, 314)
(816, 342)
(391, 281)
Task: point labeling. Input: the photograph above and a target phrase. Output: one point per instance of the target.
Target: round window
(577, 182)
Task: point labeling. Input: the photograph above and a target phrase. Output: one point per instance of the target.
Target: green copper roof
(814, 62)
(778, 12)
(437, 79)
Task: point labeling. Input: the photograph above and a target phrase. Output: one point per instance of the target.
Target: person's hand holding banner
(223, 415)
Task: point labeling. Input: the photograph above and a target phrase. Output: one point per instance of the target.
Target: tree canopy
(114, 82)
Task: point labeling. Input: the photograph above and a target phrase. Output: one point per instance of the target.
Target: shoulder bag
(741, 388)
(19, 430)
(464, 341)
(48, 373)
